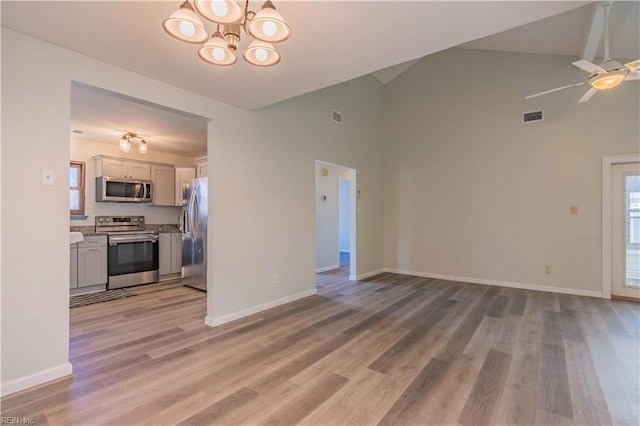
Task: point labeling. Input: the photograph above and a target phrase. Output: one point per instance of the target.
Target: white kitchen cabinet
(115, 167)
(170, 253)
(164, 252)
(73, 269)
(164, 183)
(176, 252)
(92, 261)
(184, 176)
(201, 167)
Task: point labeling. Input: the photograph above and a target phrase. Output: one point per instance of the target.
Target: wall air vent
(336, 116)
(532, 116)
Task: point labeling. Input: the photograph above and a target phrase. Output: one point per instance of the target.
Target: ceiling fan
(605, 76)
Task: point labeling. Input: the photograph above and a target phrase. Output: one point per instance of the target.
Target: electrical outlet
(547, 269)
(276, 278)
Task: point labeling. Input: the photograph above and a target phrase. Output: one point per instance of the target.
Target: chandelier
(266, 27)
(125, 143)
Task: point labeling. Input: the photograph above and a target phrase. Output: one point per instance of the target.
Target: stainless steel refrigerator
(194, 235)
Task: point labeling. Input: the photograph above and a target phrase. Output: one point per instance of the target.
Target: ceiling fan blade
(588, 66)
(633, 65)
(633, 76)
(594, 34)
(554, 90)
(588, 95)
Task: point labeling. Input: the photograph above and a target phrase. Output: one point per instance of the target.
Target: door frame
(607, 167)
(353, 215)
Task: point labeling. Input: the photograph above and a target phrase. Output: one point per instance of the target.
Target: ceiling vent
(336, 116)
(532, 116)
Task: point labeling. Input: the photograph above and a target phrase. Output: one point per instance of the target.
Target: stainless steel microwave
(121, 190)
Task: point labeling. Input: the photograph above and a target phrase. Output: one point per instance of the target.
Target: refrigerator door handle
(191, 214)
(196, 217)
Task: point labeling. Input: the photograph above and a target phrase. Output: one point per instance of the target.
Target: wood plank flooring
(389, 350)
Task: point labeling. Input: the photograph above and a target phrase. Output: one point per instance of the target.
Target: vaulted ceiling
(332, 42)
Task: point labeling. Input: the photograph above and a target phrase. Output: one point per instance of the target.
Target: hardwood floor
(390, 350)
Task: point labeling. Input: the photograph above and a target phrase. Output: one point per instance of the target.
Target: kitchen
(136, 216)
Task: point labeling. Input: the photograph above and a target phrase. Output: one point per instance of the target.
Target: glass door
(625, 212)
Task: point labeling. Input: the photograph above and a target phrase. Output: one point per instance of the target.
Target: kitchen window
(76, 188)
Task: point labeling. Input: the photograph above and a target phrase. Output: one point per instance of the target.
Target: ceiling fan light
(261, 54)
(268, 25)
(607, 81)
(216, 51)
(185, 25)
(220, 11)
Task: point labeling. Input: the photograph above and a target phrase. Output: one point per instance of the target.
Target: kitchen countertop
(162, 228)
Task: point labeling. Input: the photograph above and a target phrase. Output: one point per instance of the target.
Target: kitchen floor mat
(98, 297)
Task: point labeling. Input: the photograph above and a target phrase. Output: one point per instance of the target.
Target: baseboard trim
(21, 383)
(327, 268)
(369, 274)
(625, 298)
(216, 321)
(523, 286)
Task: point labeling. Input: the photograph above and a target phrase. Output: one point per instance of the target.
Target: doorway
(335, 191)
(625, 215)
(344, 221)
(621, 227)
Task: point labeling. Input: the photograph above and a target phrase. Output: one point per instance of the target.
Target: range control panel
(119, 223)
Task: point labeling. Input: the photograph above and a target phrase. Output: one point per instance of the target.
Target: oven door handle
(115, 240)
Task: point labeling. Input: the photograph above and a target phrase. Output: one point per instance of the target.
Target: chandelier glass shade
(216, 51)
(125, 143)
(261, 54)
(266, 27)
(220, 11)
(185, 25)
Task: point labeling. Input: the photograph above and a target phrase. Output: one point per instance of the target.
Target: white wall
(36, 82)
(262, 218)
(327, 216)
(472, 192)
(263, 184)
(344, 215)
(83, 150)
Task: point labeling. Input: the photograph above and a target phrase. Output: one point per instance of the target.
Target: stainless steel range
(133, 252)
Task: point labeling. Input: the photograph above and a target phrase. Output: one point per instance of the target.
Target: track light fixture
(266, 26)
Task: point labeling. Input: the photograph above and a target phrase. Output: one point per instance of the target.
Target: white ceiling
(564, 34)
(332, 42)
(102, 116)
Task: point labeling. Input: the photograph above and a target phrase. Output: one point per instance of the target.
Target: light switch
(573, 209)
(48, 177)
